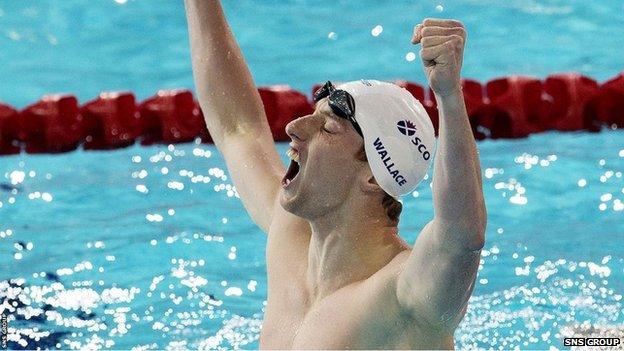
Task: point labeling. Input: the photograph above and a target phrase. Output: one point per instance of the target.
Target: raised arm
(233, 110)
(438, 278)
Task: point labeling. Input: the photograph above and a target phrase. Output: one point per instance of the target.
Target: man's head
(332, 157)
(328, 170)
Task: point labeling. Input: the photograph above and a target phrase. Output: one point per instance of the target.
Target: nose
(299, 129)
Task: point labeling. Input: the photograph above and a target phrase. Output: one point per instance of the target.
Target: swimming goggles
(341, 103)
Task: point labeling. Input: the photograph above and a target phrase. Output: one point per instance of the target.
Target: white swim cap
(399, 138)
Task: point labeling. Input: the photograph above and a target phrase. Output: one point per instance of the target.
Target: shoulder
(380, 293)
(384, 281)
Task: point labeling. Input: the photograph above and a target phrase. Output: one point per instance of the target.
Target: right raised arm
(233, 110)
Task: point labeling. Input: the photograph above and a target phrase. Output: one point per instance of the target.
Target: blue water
(86, 47)
(155, 244)
(150, 247)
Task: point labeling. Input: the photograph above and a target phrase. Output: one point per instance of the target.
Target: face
(325, 146)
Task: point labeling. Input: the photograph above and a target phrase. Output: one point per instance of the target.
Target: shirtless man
(339, 275)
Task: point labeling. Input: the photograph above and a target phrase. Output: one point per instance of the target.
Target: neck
(350, 246)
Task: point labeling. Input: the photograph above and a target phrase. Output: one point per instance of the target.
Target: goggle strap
(323, 91)
(347, 112)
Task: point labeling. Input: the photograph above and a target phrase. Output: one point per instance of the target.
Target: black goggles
(341, 103)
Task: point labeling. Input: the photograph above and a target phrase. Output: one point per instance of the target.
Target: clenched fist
(442, 52)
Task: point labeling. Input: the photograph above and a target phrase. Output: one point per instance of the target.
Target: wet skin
(339, 275)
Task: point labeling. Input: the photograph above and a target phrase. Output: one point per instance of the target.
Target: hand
(442, 53)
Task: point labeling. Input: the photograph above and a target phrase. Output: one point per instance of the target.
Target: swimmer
(339, 274)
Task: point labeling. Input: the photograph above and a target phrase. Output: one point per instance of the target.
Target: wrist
(454, 91)
(450, 95)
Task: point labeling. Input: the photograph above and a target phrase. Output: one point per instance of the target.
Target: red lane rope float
(281, 105)
(9, 130)
(607, 106)
(50, 125)
(518, 99)
(171, 116)
(566, 108)
(507, 107)
(110, 121)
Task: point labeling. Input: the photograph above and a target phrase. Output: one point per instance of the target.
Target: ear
(369, 185)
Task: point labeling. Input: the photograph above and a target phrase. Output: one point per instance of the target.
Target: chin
(292, 203)
(286, 201)
(306, 207)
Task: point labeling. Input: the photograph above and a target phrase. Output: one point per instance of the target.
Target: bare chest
(346, 320)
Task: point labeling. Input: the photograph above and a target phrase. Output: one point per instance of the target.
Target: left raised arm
(438, 277)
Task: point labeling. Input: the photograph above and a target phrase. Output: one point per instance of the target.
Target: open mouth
(293, 169)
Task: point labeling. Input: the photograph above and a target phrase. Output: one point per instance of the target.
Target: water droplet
(376, 31)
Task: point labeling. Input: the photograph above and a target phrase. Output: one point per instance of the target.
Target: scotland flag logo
(406, 127)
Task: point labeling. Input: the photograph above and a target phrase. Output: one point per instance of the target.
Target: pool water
(150, 247)
(86, 47)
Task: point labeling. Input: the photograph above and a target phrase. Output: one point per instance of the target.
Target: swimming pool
(150, 247)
